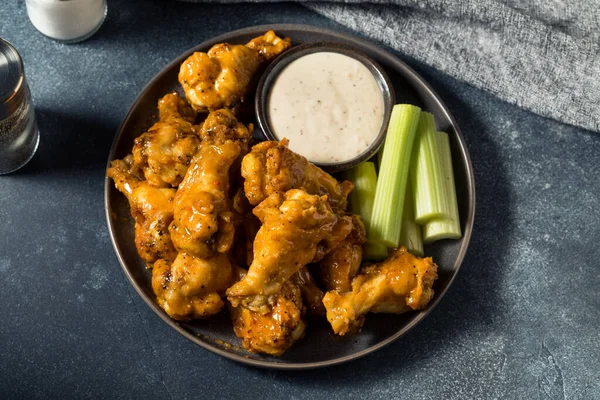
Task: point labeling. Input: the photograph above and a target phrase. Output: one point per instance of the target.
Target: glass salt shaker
(67, 21)
(19, 136)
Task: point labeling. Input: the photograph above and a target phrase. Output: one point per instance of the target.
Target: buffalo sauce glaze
(328, 105)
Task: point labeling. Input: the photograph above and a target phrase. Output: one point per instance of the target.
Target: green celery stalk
(374, 251)
(445, 228)
(428, 184)
(386, 217)
(364, 178)
(410, 234)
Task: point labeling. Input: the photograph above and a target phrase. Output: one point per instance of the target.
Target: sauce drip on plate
(328, 105)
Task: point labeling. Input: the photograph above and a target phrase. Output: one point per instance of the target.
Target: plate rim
(406, 70)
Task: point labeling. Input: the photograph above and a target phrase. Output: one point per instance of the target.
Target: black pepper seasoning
(19, 135)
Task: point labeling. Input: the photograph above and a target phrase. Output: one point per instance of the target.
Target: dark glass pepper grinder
(19, 136)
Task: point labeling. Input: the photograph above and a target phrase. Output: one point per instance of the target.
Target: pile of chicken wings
(257, 229)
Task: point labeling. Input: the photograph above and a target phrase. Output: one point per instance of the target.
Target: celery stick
(393, 173)
(428, 184)
(361, 199)
(410, 234)
(374, 251)
(364, 178)
(445, 228)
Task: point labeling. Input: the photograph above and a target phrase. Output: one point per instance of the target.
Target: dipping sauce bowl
(331, 101)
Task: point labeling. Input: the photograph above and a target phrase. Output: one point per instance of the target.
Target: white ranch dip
(328, 105)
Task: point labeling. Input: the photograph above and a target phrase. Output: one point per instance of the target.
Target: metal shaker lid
(12, 81)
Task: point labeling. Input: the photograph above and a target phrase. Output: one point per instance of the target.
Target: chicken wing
(276, 330)
(191, 287)
(151, 208)
(203, 222)
(165, 151)
(294, 225)
(311, 294)
(341, 264)
(221, 126)
(272, 167)
(222, 77)
(269, 45)
(173, 106)
(399, 284)
(246, 230)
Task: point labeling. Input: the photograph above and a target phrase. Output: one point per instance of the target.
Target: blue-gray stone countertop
(522, 319)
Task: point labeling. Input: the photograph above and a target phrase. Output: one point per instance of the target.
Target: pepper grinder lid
(12, 81)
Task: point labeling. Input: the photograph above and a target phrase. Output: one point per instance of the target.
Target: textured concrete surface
(521, 321)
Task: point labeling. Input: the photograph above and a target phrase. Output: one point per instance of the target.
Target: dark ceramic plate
(320, 347)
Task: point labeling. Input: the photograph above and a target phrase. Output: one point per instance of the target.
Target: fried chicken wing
(246, 230)
(203, 223)
(342, 263)
(311, 294)
(274, 331)
(222, 77)
(272, 167)
(173, 106)
(165, 151)
(294, 227)
(270, 45)
(151, 208)
(401, 283)
(191, 287)
(221, 126)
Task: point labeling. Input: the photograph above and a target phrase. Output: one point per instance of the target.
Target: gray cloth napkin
(542, 55)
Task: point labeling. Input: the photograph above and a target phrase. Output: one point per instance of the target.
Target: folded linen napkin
(542, 55)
